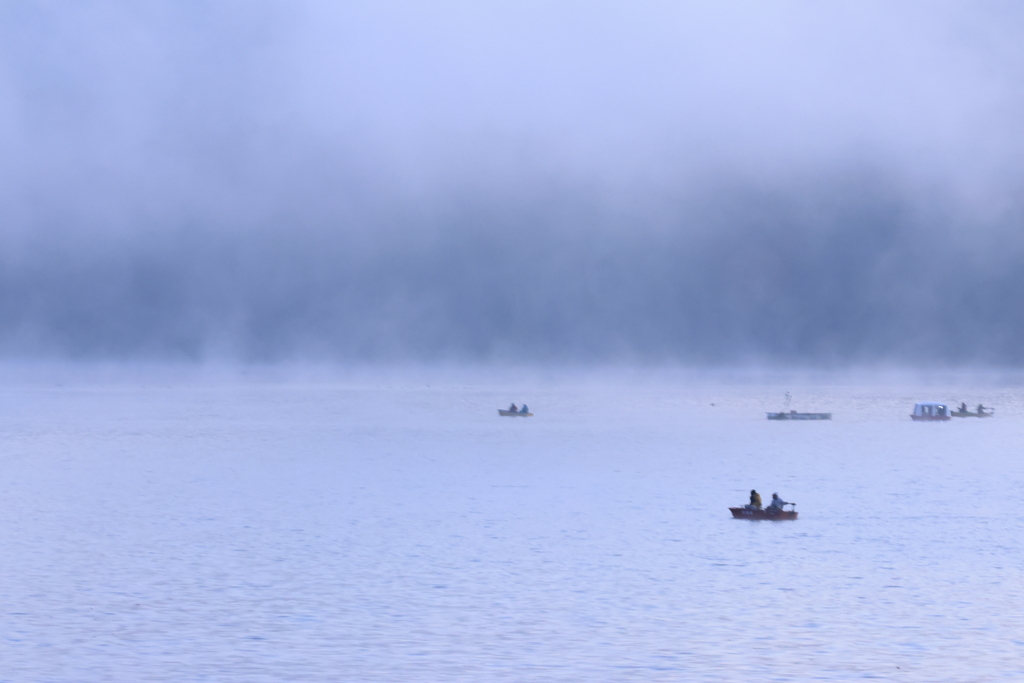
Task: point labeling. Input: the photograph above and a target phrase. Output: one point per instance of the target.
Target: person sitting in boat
(981, 409)
(524, 410)
(512, 408)
(963, 407)
(777, 503)
(755, 500)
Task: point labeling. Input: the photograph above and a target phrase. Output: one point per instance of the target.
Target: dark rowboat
(513, 413)
(967, 413)
(744, 513)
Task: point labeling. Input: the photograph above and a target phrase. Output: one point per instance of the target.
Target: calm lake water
(358, 530)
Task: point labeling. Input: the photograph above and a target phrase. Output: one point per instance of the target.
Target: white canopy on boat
(930, 408)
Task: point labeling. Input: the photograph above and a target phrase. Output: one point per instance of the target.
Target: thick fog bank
(723, 183)
(852, 274)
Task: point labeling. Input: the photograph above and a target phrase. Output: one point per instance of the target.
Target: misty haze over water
(790, 183)
(308, 249)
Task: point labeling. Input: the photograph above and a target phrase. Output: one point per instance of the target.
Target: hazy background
(719, 182)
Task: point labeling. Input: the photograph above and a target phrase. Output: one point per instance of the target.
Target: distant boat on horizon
(930, 411)
(793, 415)
(513, 413)
(961, 412)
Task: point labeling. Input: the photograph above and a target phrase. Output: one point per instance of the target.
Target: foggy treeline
(270, 181)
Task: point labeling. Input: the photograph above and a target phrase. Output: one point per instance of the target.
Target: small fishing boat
(793, 415)
(765, 513)
(513, 413)
(967, 413)
(930, 411)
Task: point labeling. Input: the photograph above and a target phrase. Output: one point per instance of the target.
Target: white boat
(793, 415)
(930, 411)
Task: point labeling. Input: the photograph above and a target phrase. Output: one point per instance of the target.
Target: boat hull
(744, 513)
(957, 413)
(929, 418)
(513, 413)
(791, 415)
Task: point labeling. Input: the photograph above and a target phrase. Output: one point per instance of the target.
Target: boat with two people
(513, 411)
(776, 510)
(962, 411)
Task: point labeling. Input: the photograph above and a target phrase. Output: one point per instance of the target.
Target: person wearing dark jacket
(755, 500)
